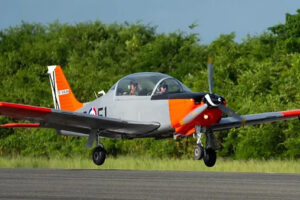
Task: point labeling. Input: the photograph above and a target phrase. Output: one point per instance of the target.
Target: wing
(72, 121)
(254, 119)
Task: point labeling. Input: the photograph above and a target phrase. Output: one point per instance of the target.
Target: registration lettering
(63, 92)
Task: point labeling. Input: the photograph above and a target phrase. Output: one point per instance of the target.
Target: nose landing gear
(198, 149)
(209, 152)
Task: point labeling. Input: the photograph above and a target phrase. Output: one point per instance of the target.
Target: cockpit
(149, 83)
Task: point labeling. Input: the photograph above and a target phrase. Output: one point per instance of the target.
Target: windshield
(170, 85)
(148, 83)
(139, 84)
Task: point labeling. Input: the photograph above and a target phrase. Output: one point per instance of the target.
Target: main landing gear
(209, 152)
(99, 153)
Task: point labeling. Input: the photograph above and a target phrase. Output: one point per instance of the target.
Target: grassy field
(133, 163)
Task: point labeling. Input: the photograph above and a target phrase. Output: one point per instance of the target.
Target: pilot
(133, 88)
(163, 88)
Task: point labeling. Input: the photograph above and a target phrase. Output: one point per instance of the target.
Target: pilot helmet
(163, 85)
(133, 82)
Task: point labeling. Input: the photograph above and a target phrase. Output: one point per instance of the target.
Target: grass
(138, 163)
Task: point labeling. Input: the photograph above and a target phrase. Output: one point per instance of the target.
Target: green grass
(138, 163)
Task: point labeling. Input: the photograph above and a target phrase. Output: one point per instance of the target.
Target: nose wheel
(210, 157)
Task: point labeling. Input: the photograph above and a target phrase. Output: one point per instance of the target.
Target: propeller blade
(230, 112)
(210, 75)
(193, 114)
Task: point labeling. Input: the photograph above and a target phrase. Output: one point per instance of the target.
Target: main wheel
(210, 157)
(198, 152)
(99, 155)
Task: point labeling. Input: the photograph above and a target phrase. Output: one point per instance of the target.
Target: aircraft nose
(217, 99)
(222, 100)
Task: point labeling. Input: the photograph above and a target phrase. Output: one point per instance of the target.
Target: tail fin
(63, 96)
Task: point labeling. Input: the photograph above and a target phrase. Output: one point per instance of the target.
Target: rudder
(62, 94)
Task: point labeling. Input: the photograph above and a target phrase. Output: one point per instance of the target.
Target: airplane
(140, 105)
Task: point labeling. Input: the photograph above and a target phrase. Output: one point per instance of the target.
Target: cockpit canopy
(149, 83)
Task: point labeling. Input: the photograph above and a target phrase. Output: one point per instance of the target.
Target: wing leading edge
(72, 121)
(254, 119)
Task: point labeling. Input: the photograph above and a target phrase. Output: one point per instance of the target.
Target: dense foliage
(260, 74)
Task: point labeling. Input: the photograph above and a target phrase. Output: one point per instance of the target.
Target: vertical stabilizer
(63, 96)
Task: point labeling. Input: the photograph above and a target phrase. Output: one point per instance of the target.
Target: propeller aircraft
(140, 105)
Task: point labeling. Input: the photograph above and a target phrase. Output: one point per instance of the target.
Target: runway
(115, 184)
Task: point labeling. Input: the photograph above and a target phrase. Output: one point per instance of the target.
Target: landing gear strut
(209, 152)
(198, 149)
(99, 153)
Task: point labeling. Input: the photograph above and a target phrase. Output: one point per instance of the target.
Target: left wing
(254, 119)
(72, 121)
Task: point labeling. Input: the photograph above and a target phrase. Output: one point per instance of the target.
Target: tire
(198, 152)
(210, 157)
(99, 155)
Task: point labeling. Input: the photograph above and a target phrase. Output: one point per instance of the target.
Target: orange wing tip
(24, 107)
(291, 113)
(20, 111)
(19, 125)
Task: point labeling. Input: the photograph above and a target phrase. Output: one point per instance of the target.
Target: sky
(212, 17)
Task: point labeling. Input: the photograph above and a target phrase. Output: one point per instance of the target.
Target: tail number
(62, 92)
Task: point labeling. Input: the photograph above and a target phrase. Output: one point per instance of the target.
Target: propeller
(211, 100)
(210, 75)
(230, 113)
(221, 105)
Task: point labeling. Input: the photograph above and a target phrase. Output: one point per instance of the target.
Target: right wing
(73, 121)
(254, 119)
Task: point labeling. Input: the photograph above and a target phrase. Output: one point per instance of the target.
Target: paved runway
(110, 184)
